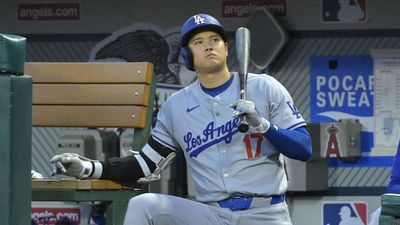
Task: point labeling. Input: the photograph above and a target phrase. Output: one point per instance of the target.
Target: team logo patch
(348, 213)
(295, 111)
(198, 19)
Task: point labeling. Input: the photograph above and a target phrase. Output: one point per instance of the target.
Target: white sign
(386, 98)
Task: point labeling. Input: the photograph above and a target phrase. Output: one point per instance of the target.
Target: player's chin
(212, 68)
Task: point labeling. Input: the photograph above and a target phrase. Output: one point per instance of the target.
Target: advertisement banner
(342, 88)
(242, 9)
(48, 11)
(55, 215)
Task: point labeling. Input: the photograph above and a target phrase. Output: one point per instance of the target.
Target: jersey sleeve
(283, 111)
(163, 129)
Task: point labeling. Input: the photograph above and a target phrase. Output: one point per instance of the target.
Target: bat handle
(243, 125)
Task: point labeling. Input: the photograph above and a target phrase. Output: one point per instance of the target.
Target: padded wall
(15, 149)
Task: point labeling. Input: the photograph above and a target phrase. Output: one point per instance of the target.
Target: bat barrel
(243, 49)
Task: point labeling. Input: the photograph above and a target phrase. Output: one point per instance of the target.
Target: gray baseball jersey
(222, 160)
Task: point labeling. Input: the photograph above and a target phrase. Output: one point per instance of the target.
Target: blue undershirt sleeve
(295, 144)
(394, 185)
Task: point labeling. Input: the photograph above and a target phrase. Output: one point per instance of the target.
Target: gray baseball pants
(160, 209)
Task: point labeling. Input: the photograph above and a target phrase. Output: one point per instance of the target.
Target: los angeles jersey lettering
(210, 136)
(230, 161)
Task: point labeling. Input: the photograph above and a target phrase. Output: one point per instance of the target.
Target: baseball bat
(243, 57)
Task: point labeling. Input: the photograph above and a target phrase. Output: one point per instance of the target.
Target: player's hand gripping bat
(243, 56)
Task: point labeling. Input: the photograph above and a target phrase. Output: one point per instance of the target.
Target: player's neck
(216, 79)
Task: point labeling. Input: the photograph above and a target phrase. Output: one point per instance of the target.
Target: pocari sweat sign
(342, 88)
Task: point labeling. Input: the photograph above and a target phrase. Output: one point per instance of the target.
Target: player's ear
(226, 48)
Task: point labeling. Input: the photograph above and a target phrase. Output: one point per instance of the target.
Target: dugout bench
(390, 212)
(95, 95)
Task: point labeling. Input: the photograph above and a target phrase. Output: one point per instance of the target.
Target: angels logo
(333, 145)
(54, 216)
(350, 213)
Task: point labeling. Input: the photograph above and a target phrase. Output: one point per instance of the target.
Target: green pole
(15, 133)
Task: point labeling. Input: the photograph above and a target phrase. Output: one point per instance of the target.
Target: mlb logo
(344, 11)
(349, 213)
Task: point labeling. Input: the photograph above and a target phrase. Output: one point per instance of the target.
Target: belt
(236, 203)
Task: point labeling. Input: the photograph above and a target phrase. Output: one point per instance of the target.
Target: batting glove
(253, 117)
(77, 166)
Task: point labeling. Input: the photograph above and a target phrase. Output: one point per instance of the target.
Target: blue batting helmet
(196, 24)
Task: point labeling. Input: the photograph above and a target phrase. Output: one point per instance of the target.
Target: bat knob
(243, 126)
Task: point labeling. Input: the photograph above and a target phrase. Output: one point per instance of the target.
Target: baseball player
(239, 177)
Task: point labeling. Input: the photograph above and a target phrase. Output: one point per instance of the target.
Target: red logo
(333, 145)
(48, 11)
(50, 216)
(240, 8)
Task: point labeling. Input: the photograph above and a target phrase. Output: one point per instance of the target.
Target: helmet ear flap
(188, 57)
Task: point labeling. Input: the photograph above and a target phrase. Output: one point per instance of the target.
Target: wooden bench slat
(88, 116)
(89, 72)
(109, 185)
(81, 184)
(75, 95)
(91, 94)
(62, 184)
